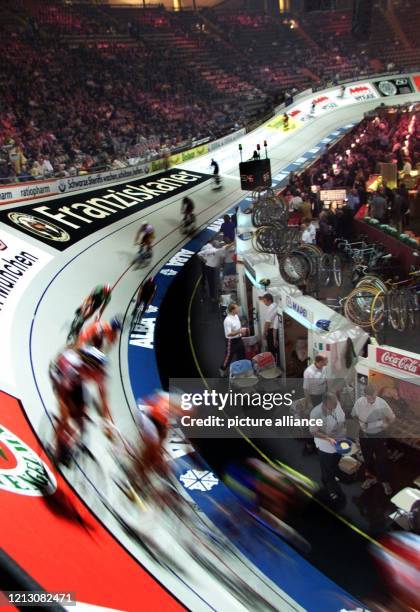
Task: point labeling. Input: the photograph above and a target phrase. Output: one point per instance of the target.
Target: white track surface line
(102, 262)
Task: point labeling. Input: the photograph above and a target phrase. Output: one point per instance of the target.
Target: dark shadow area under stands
(337, 550)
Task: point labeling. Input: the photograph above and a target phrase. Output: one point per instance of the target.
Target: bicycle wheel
(310, 258)
(324, 269)
(396, 317)
(316, 250)
(370, 280)
(294, 268)
(358, 306)
(337, 271)
(313, 254)
(378, 313)
(412, 308)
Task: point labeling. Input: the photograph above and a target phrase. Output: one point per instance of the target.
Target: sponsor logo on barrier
(21, 470)
(398, 361)
(183, 156)
(394, 87)
(296, 307)
(143, 335)
(37, 226)
(199, 480)
(216, 225)
(74, 217)
(6, 195)
(180, 259)
(19, 264)
(362, 92)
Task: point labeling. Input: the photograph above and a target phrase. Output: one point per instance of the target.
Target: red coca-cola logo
(400, 362)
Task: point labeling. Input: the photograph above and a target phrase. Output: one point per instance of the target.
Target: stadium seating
(126, 83)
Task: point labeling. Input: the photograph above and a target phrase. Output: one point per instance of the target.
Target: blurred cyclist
(100, 333)
(145, 296)
(144, 239)
(96, 300)
(267, 494)
(69, 373)
(285, 121)
(398, 558)
(216, 175)
(215, 167)
(161, 408)
(187, 211)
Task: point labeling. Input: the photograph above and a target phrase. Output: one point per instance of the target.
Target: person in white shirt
(309, 233)
(374, 416)
(325, 436)
(235, 349)
(315, 380)
(212, 258)
(407, 167)
(271, 324)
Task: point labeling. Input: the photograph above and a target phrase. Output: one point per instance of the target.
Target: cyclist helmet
(102, 289)
(116, 324)
(147, 228)
(93, 357)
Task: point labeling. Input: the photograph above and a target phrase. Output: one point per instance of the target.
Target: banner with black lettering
(64, 221)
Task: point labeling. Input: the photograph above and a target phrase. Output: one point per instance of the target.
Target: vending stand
(343, 342)
(396, 376)
(298, 315)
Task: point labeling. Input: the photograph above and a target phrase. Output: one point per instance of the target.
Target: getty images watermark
(219, 411)
(257, 408)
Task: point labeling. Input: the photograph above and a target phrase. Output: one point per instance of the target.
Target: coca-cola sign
(397, 361)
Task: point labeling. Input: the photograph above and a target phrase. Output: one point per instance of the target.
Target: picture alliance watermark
(255, 407)
(220, 411)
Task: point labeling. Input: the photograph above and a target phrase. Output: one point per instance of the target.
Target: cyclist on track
(100, 333)
(144, 239)
(285, 121)
(145, 296)
(96, 300)
(187, 211)
(267, 494)
(69, 372)
(216, 174)
(161, 408)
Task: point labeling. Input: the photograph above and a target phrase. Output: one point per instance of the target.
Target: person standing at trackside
(235, 349)
(228, 229)
(378, 206)
(271, 324)
(211, 258)
(333, 417)
(215, 167)
(374, 416)
(315, 380)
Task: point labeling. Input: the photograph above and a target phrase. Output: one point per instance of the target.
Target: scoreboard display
(255, 173)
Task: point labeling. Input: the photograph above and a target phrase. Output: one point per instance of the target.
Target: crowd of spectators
(384, 136)
(70, 108)
(66, 110)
